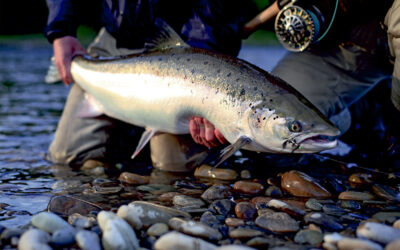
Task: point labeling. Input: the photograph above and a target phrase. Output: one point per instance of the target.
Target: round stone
(157, 229)
(248, 187)
(245, 210)
(300, 184)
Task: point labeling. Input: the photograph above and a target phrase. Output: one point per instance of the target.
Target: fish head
(293, 128)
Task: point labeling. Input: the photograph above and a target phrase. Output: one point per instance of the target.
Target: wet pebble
(129, 214)
(332, 209)
(387, 217)
(157, 229)
(210, 219)
(352, 243)
(245, 210)
(216, 192)
(34, 239)
(223, 207)
(81, 221)
(244, 233)
(245, 174)
(88, 240)
(134, 179)
(117, 233)
(187, 201)
(309, 237)
(396, 224)
(206, 171)
(323, 220)
(360, 180)
(234, 222)
(176, 240)
(313, 204)
(277, 222)
(196, 229)
(107, 190)
(385, 192)
(9, 233)
(349, 204)
(49, 222)
(300, 184)
(394, 245)
(156, 189)
(248, 187)
(284, 207)
(273, 191)
(150, 213)
(355, 195)
(63, 237)
(378, 232)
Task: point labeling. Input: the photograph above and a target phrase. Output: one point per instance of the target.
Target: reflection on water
(29, 111)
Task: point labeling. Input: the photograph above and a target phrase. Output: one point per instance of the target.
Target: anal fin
(146, 136)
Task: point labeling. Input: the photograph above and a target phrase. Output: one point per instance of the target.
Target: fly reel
(300, 24)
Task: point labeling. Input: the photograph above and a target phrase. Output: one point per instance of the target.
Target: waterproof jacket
(210, 24)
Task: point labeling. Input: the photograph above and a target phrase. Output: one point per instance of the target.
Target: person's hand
(203, 132)
(65, 48)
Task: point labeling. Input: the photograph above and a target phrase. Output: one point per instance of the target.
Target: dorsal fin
(165, 37)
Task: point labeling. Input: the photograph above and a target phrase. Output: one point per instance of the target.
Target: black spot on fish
(312, 125)
(229, 74)
(264, 118)
(243, 92)
(271, 100)
(204, 77)
(250, 104)
(237, 79)
(160, 59)
(188, 59)
(255, 88)
(262, 94)
(205, 63)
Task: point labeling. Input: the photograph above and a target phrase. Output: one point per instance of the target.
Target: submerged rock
(65, 205)
(300, 184)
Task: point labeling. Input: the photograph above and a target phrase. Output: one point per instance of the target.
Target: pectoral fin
(231, 149)
(146, 136)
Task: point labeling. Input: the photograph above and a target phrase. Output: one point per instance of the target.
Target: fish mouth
(316, 143)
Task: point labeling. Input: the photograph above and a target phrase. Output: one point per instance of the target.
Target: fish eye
(294, 126)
